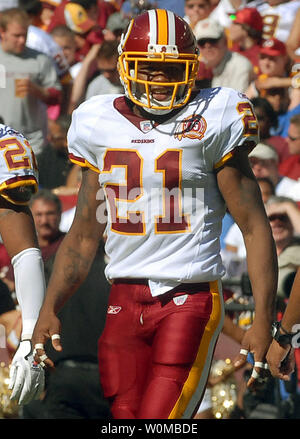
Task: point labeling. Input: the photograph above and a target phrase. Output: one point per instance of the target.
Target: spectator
(264, 162)
(105, 9)
(81, 18)
(73, 389)
(48, 9)
(196, 10)
(291, 166)
(54, 165)
(115, 26)
(31, 80)
(278, 17)
(284, 217)
(245, 34)
(293, 40)
(225, 9)
(46, 210)
(58, 18)
(86, 31)
(65, 38)
(86, 72)
(267, 119)
(273, 66)
(281, 102)
(41, 40)
(108, 82)
(229, 69)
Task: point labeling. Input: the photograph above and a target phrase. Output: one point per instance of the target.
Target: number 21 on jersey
(168, 164)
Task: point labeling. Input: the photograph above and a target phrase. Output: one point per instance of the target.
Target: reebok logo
(113, 309)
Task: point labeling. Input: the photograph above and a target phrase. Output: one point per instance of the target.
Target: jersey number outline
(249, 118)
(169, 164)
(17, 157)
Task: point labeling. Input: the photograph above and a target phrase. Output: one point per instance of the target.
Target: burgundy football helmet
(160, 36)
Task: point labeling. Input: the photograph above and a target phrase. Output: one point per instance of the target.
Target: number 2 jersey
(17, 163)
(164, 207)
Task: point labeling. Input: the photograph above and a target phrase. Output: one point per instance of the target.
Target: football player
(167, 159)
(18, 181)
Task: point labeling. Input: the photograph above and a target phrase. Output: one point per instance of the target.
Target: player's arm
(73, 260)
(241, 193)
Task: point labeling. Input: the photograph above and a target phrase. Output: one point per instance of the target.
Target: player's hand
(47, 326)
(256, 341)
(26, 377)
(281, 360)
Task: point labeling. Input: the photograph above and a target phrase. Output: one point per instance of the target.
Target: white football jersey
(164, 207)
(278, 19)
(17, 162)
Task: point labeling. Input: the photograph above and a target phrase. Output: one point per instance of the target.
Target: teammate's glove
(27, 378)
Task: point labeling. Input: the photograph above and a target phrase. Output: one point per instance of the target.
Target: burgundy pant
(155, 352)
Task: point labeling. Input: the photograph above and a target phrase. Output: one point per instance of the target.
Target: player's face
(13, 38)
(160, 72)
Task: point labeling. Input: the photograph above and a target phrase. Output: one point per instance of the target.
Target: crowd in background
(58, 53)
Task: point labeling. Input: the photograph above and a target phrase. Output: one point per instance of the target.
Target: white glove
(27, 378)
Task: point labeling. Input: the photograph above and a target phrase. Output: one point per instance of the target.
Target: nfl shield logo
(180, 299)
(146, 126)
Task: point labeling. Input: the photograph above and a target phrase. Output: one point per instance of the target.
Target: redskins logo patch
(192, 127)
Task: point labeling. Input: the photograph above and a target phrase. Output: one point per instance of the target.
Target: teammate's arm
(241, 193)
(73, 260)
(19, 237)
(17, 226)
